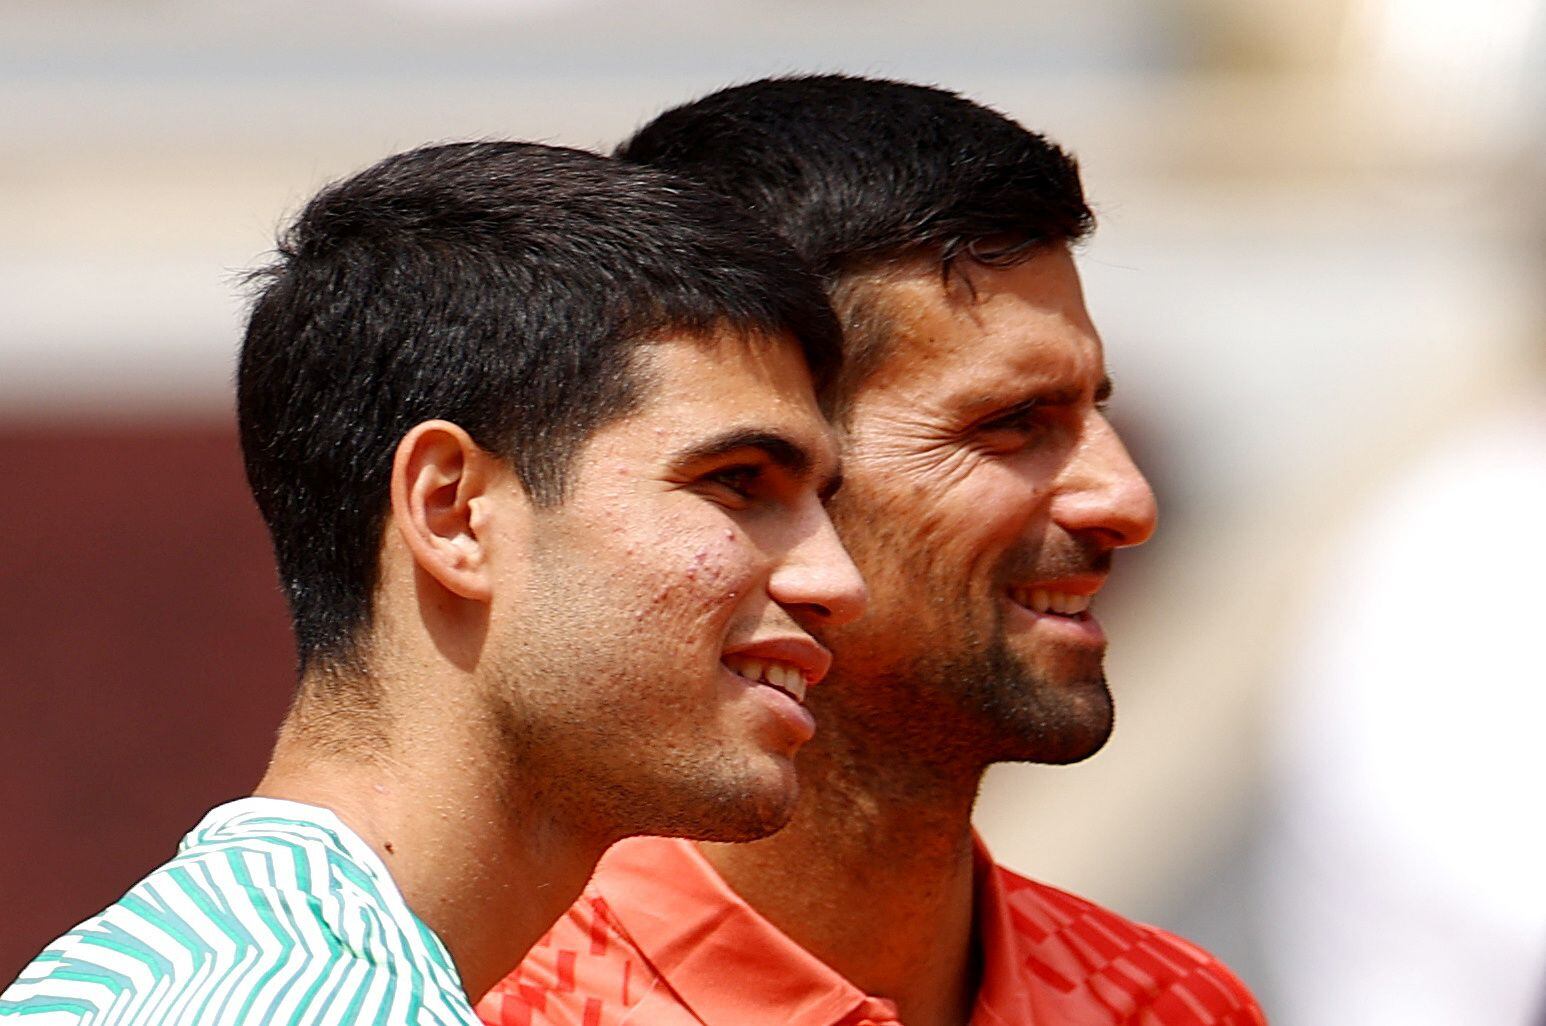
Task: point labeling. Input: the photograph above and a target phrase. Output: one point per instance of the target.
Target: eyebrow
(783, 452)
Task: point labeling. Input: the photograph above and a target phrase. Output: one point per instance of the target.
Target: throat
(906, 868)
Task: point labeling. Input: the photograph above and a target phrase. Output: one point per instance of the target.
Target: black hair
(503, 286)
(856, 173)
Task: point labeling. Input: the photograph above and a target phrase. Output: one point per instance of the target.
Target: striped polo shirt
(272, 912)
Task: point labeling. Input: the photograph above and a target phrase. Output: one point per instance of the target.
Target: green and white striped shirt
(272, 912)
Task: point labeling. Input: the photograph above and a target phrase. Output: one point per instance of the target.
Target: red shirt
(659, 939)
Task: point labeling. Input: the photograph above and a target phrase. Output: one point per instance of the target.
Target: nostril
(846, 609)
(814, 610)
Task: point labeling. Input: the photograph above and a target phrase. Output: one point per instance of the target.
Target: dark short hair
(858, 172)
(503, 286)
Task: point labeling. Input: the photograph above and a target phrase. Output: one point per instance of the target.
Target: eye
(1021, 418)
(1037, 424)
(1014, 428)
(740, 481)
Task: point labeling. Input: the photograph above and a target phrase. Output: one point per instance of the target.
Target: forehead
(1015, 329)
(691, 388)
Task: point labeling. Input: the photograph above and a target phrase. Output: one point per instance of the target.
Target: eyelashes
(740, 481)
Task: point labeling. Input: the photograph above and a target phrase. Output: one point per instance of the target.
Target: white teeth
(788, 679)
(784, 676)
(1043, 601)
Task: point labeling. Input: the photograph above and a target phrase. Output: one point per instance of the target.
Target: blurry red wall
(145, 659)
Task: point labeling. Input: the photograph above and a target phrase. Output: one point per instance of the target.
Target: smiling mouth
(786, 677)
(1052, 603)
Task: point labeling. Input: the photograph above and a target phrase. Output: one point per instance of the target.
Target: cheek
(697, 575)
(900, 533)
(1008, 514)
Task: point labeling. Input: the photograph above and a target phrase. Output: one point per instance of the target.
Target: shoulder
(1083, 948)
(231, 930)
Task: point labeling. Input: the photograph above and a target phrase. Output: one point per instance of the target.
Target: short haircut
(857, 173)
(503, 286)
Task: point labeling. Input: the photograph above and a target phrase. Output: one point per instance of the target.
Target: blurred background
(1321, 276)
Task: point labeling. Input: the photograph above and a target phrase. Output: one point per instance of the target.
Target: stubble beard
(941, 685)
(948, 716)
(624, 754)
(1012, 712)
(970, 699)
(607, 771)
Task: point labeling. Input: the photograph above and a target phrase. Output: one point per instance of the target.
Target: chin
(1065, 727)
(1064, 750)
(1075, 742)
(745, 807)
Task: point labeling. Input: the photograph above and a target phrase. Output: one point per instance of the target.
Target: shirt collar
(1002, 996)
(723, 959)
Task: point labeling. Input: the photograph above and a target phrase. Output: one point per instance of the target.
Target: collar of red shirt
(722, 958)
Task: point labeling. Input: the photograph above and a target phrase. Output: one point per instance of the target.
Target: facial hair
(957, 706)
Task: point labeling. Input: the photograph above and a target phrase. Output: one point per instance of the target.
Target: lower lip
(795, 718)
(1083, 629)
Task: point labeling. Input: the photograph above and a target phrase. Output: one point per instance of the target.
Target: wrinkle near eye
(915, 449)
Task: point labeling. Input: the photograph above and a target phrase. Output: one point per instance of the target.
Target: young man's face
(985, 494)
(660, 656)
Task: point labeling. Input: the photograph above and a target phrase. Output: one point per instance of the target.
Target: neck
(480, 863)
(893, 840)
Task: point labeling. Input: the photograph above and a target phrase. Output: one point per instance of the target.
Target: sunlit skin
(550, 679)
(980, 469)
(693, 535)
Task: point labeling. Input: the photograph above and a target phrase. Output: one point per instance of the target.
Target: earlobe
(440, 482)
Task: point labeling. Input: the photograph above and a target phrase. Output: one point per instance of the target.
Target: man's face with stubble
(985, 493)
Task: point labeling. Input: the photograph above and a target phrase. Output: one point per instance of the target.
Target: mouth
(1069, 605)
(776, 673)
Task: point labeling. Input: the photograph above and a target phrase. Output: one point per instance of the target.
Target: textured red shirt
(659, 939)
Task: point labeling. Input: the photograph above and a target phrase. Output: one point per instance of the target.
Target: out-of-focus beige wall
(1320, 247)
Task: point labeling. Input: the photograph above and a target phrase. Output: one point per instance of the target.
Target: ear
(442, 505)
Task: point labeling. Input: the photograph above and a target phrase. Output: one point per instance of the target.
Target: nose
(816, 579)
(1102, 491)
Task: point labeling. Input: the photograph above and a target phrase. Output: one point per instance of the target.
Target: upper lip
(1082, 585)
(803, 652)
